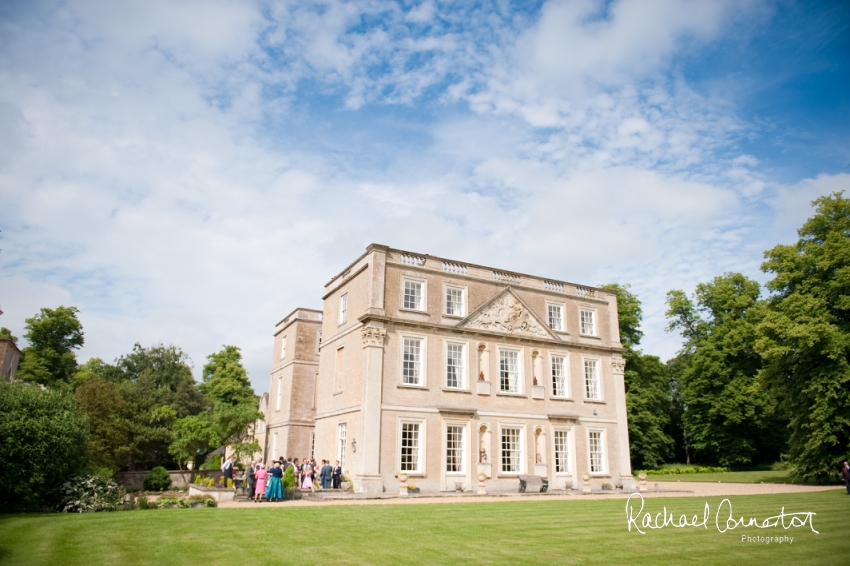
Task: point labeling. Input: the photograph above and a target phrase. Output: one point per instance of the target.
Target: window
(274, 445)
(341, 434)
(283, 347)
(509, 371)
(312, 444)
(340, 360)
(454, 365)
(511, 450)
(315, 389)
(343, 308)
(454, 448)
(559, 377)
(562, 452)
(597, 461)
(413, 292)
(454, 301)
(556, 317)
(588, 322)
(318, 341)
(410, 447)
(412, 362)
(279, 391)
(591, 379)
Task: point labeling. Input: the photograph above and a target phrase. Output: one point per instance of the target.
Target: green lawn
(770, 476)
(587, 531)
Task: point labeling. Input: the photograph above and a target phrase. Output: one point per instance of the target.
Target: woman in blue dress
(274, 490)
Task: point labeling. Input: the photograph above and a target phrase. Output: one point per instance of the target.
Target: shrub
(288, 480)
(213, 462)
(157, 479)
(674, 471)
(143, 502)
(82, 494)
(43, 443)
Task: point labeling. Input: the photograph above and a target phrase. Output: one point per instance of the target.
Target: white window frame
(594, 322)
(423, 357)
(464, 442)
(598, 362)
(279, 392)
(463, 299)
(420, 449)
(603, 447)
(522, 449)
(567, 393)
(561, 319)
(274, 445)
(341, 442)
(283, 347)
(464, 374)
(520, 370)
(338, 375)
(312, 445)
(343, 308)
(423, 307)
(319, 341)
(569, 448)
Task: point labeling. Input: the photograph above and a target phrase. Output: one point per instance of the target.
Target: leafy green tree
(729, 418)
(225, 380)
(43, 442)
(804, 337)
(647, 387)
(106, 410)
(194, 436)
(6, 334)
(53, 335)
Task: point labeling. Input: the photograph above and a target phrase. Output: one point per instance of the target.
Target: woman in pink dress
(260, 475)
(307, 478)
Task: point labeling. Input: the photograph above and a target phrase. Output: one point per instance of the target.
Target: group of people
(267, 484)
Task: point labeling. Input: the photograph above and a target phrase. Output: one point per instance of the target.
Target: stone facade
(9, 357)
(290, 406)
(445, 370)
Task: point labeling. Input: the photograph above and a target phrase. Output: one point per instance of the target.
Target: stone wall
(135, 480)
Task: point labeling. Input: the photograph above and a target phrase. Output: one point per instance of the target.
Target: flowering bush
(90, 493)
(169, 501)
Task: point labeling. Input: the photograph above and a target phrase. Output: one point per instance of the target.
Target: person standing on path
(260, 475)
(251, 478)
(227, 468)
(308, 478)
(274, 491)
(336, 475)
(845, 474)
(325, 474)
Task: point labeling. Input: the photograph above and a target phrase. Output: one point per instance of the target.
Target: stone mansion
(443, 369)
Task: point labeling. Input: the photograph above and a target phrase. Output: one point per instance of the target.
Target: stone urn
(402, 488)
(482, 489)
(585, 482)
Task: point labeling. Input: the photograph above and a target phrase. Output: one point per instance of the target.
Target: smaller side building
(291, 406)
(9, 357)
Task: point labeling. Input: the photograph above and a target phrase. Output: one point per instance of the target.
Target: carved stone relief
(508, 315)
(618, 365)
(373, 336)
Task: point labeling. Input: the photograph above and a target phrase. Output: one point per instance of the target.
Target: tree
(106, 410)
(43, 441)
(647, 387)
(194, 436)
(804, 337)
(6, 334)
(53, 335)
(225, 380)
(729, 418)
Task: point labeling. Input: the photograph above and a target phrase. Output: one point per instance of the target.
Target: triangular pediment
(507, 314)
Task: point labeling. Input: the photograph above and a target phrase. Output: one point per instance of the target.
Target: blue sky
(190, 172)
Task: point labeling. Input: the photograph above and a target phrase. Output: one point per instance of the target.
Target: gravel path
(666, 489)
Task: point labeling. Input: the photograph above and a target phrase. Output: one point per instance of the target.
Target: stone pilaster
(618, 368)
(368, 479)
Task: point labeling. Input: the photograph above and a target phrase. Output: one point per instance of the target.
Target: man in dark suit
(336, 475)
(250, 478)
(325, 474)
(227, 468)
